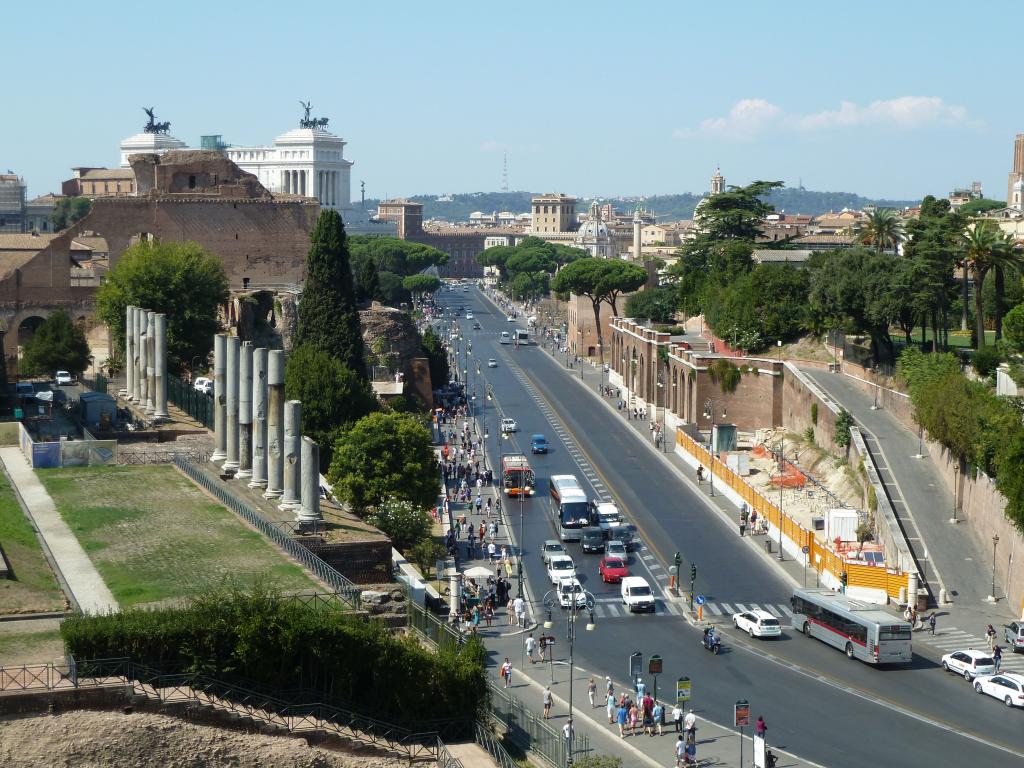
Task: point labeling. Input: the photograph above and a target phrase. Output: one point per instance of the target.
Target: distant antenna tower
(504, 173)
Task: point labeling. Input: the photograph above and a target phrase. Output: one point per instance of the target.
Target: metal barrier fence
(430, 627)
(487, 739)
(529, 731)
(317, 566)
(196, 404)
(141, 680)
(193, 455)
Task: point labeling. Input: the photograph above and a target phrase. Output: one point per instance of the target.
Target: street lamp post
(782, 478)
(995, 543)
(664, 405)
(709, 413)
(573, 611)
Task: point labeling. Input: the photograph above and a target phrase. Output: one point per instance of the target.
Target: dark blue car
(539, 444)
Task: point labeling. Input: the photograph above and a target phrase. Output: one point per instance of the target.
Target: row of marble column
(294, 182)
(327, 183)
(146, 360)
(257, 433)
(327, 187)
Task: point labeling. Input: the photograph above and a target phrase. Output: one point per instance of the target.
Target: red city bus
(516, 476)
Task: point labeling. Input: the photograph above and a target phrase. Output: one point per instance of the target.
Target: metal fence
(323, 571)
(528, 731)
(429, 626)
(489, 741)
(196, 404)
(196, 689)
(194, 455)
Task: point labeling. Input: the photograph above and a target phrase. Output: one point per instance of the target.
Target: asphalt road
(820, 705)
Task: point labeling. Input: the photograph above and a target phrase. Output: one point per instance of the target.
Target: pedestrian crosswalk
(612, 607)
(948, 639)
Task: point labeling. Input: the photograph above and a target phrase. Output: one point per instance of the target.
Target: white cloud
(751, 117)
(491, 145)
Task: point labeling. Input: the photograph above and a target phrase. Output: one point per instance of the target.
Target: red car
(613, 569)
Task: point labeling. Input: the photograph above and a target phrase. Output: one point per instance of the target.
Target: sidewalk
(83, 580)
(715, 745)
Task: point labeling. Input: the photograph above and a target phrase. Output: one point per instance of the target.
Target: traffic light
(678, 560)
(693, 573)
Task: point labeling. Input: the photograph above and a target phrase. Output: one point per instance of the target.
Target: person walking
(680, 752)
(530, 645)
(519, 606)
(620, 717)
(548, 698)
(567, 734)
(611, 707)
(760, 727)
(990, 638)
(592, 692)
(506, 672)
(690, 723)
(609, 686)
(931, 623)
(658, 713)
(744, 516)
(677, 718)
(997, 656)
(543, 644)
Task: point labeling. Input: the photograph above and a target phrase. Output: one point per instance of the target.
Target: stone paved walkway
(82, 578)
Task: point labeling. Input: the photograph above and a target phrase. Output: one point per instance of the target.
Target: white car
(970, 663)
(560, 567)
(510, 319)
(63, 378)
(204, 385)
(608, 517)
(552, 548)
(637, 594)
(615, 548)
(1008, 687)
(509, 425)
(469, 315)
(492, 363)
(567, 588)
(757, 623)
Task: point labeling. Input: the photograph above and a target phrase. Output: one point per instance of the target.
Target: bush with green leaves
(402, 521)
(842, 434)
(260, 639)
(425, 553)
(57, 345)
(985, 360)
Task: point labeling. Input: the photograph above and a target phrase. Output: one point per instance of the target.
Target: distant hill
(666, 207)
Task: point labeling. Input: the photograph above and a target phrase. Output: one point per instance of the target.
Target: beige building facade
(553, 213)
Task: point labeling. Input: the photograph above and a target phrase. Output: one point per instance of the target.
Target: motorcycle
(713, 645)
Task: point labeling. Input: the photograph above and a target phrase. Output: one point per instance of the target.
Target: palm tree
(981, 242)
(881, 228)
(1004, 257)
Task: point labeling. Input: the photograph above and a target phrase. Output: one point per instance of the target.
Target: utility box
(842, 524)
(723, 438)
(739, 463)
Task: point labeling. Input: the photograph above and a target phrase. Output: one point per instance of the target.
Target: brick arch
(13, 322)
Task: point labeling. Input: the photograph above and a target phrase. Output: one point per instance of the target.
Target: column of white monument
(275, 424)
(231, 423)
(259, 418)
(137, 369)
(129, 352)
(245, 411)
(150, 361)
(292, 454)
(160, 368)
(220, 349)
(309, 507)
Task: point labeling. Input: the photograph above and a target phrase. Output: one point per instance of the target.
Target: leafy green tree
(933, 243)
(982, 243)
(980, 207)
(437, 357)
(425, 553)
(390, 290)
(389, 254)
(327, 316)
(68, 211)
(181, 280)
(985, 360)
(1014, 328)
(1005, 258)
(58, 345)
(737, 213)
(364, 278)
(655, 304)
(404, 523)
(385, 455)
(880, 229)
(333, 396)
(420, 285)
(530, 285)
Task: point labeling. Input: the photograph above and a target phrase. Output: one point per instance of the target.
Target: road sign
(701, 599)
(805, 549)
(682, 690)
(636, 665)
(654, 665)
(742, 713)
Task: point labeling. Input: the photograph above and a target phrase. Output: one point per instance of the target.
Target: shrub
(814, 413)
(725, 374)
(985, 360)
(258, 638)
(843, 424)
(403, 522)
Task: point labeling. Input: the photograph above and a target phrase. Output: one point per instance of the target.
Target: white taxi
(757, 623)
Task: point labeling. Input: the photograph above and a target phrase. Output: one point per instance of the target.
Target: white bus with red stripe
(861, 630)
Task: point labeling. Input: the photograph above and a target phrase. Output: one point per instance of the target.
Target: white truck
(637, 594)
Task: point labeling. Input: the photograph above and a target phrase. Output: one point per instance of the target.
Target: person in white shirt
(690, 722)
(677, 718)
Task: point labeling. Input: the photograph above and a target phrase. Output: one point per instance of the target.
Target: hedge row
(259, 638)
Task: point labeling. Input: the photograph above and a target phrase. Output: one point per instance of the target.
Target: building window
(192, 182)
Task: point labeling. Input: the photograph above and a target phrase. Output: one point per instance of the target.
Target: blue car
(539, 444)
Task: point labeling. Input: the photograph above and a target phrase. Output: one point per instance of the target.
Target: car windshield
(562, 565)
(645, 590)
(983, 661)
(613, 563)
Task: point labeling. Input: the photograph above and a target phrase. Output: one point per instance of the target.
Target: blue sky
(887, 99)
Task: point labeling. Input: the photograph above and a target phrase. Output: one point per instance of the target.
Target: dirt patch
(113, 740)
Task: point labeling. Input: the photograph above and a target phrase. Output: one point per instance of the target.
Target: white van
(506, 338)
(637, 594)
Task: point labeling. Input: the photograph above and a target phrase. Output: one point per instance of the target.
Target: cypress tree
(327, 316)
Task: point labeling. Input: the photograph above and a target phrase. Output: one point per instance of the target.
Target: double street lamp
(579, 601)
(709, 413)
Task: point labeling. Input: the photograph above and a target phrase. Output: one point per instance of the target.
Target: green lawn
(30, 647)
(34, 587)
(156, 537)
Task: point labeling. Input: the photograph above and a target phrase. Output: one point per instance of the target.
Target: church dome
(591, 230)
